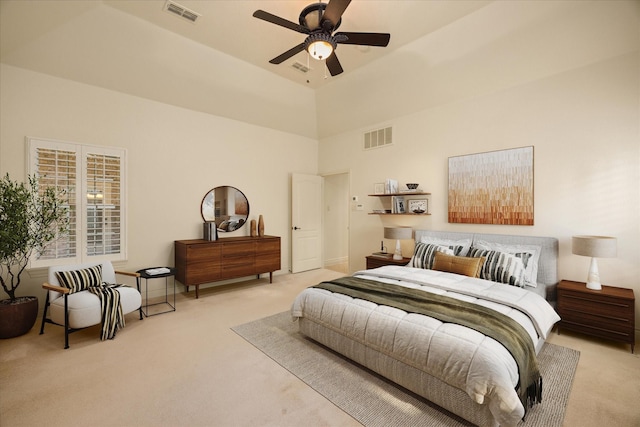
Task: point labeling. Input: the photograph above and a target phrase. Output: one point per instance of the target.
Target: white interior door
(306, 222)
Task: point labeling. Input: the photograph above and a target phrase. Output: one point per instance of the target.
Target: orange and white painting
(492, 188)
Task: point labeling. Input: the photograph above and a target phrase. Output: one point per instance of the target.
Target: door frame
(350, 206)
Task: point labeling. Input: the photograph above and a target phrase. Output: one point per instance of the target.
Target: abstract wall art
(492, 188)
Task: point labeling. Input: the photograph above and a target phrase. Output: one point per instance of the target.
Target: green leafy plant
(31, 218)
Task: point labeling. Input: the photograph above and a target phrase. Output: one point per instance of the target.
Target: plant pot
(17, 317)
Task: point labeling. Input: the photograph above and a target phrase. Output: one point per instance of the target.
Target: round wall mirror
(227, 206)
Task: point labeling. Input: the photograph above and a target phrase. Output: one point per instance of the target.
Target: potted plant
(30, 218)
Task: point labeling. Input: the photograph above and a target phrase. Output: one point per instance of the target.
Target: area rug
(375, 401)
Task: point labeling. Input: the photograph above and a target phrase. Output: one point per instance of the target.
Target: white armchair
(77, 310)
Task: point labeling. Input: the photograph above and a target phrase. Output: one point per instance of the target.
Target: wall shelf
(407, 195)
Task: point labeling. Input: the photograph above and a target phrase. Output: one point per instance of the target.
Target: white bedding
(480, 366)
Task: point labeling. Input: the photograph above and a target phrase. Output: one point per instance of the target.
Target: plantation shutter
(104, 204)
(57, 167)
(93, 182)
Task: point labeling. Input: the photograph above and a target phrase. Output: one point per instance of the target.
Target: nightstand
(375, 261)
(608, 313)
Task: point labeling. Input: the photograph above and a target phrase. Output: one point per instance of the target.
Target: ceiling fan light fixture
(320, 45)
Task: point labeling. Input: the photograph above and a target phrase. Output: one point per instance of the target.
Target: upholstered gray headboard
(547, 265)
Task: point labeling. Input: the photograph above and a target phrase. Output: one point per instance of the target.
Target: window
(93, 183)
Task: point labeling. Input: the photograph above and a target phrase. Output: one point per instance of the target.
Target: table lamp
(595, 247)
(398, 233)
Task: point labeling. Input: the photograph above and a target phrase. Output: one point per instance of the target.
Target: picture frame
(378, 188)
(419, 205)
(398, 205)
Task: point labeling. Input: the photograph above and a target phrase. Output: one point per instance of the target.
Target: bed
(469, 369)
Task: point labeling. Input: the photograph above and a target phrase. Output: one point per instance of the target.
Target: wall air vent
(378, 138)
(181, 11)
(301, 67)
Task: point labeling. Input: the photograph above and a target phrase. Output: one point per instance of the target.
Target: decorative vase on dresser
(260, 226)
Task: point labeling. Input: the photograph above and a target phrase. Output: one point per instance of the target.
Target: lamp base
(593, 280)
(397, 255)
(596, 286)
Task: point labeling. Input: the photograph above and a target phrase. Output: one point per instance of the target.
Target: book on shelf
(398, 204)
(391, 186)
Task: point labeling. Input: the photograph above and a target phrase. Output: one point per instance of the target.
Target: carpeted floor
(188, 368)
(374, 401)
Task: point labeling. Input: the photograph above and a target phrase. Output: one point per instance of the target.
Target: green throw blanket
(489, 322)
(112, 317)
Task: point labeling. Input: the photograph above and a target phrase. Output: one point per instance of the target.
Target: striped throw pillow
(500, 267)
(80, 280)
(424, 253)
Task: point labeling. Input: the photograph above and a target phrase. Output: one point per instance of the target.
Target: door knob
(297, 228)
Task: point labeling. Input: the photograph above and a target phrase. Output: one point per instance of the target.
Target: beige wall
(175, 156)
(579, 108)
(562, 76)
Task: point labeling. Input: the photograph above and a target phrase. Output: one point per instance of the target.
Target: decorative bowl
(412, 186)
(418, 211)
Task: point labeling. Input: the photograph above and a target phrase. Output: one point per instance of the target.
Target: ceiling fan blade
(266, 16)
(334, 65)
(334, 10)
(366, 39)
(288, 54)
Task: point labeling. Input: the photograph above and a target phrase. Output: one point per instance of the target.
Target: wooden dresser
(202, 261)
(608, 313)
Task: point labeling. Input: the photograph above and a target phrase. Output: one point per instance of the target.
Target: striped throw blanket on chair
(112, 317)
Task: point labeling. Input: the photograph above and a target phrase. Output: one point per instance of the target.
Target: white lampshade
(398, 233)
(320, 50)
(320, 45)
(594, 247)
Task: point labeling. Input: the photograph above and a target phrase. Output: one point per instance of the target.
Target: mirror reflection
(227, 206)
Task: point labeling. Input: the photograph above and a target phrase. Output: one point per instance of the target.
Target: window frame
(82, 152)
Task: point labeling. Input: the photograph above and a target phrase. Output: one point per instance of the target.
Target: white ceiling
(229, 27)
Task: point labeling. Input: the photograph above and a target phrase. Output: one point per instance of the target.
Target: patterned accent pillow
(530, 255)
(424, 253)
(500, 267)
(466, 266)
(80, 280)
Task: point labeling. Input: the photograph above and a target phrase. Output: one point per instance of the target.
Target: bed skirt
(434, 390)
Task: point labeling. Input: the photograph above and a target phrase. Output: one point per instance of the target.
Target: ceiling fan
(319, 21)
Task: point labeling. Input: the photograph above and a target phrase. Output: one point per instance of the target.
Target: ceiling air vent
(378, 138)
(181, 11)
(301, 67)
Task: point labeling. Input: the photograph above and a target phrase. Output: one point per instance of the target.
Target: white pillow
(530, 261)
(460, 247)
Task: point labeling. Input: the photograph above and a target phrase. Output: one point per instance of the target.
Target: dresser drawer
(609, 322)
(202, 253)
(603, 305)
(238, 250)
